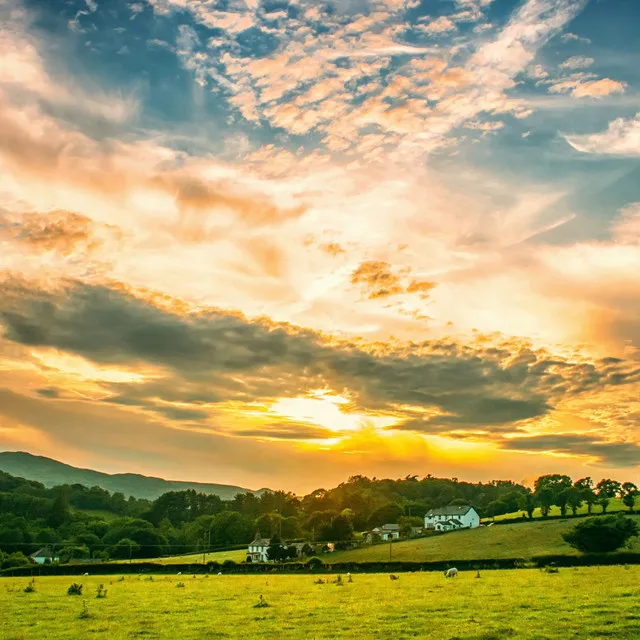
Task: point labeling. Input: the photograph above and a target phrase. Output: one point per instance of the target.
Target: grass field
(615, 505)
(588, 603)
(504, 541)
(219, 556)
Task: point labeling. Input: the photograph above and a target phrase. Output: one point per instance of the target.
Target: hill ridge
(52, 472)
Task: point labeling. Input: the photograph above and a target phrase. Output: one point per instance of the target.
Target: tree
(585, 488)
(549, 491)
(125, 548)
(339, 530)
(496, 508)
(275, 551)
(527, 502)
(571, 498)
(605, 490)
(628, 493)
(60, 512)
(601, 535)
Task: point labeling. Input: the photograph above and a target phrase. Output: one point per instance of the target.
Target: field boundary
(111, 568)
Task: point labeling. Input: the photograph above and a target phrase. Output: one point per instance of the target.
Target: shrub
(601, 534)
(31, 587)
(75, 589)
(228, 563)
(101, 592)
(180, 585)
(314, 562)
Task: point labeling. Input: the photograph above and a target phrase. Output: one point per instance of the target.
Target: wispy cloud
(622, 137)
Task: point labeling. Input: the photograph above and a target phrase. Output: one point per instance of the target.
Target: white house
(44, 555)
(257, 550)
(451, 518)
(386, 532)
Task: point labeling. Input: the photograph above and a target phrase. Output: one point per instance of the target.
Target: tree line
(91, 523)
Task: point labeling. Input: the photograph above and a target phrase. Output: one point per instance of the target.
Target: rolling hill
(51, 473)
(522, 540)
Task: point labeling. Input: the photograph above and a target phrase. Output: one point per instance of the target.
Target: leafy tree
(276, 551)
(549, 490)
(527, 502)
(571, 498)
(587, 493)
(60, 512)
(340, 529)
(124, 548)
(497, 508)
(629, 492)
(605, 490)
(601, 535)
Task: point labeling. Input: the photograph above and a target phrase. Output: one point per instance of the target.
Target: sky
(282, 242)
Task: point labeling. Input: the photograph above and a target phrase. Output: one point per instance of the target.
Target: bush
(601, 534)
(101, 592)
(75, 589)
(228, 563)
(314, 562)
(31, 587)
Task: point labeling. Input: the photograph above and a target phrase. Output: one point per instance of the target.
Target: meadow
(593, 602)
(615, 505)
(522, 540)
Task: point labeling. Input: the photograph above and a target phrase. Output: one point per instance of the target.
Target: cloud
(622, 137)
(572, 37)
(288, 431)
(613, 454)
(626, 227)
(440, 25)
(58, 231)
(210, 356)
(598, 88)
(577, 62)
(378, 280)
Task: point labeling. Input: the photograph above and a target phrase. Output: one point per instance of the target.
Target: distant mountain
(51, 473)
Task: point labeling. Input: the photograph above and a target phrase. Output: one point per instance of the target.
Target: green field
(594, 602)
(501, 541)
(238, 555)
(615, 505)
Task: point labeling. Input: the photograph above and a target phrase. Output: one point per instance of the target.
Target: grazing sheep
(451, 573)
(85, 574)
(393, 577)
(179, 573)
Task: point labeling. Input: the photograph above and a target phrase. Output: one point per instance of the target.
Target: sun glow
(323, 408)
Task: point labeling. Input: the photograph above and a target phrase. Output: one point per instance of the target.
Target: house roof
(391, 527)
(260, 542)
(451, 510)
(454, 521)
(44, 553)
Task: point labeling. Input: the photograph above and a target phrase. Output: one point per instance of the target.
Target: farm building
(386, 532)
(452, 518)
(257, 550)
(44, 555)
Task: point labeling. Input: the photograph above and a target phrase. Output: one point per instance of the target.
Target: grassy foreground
(593, 602)
(523, 540)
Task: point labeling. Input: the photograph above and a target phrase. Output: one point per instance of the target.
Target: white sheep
(451, 573)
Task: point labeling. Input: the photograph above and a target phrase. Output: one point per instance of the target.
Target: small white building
(451, 518)
(386, 532)
(257, 550)
(44, 555)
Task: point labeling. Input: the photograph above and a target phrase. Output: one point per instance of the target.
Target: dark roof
(391, 527)
(454, 521)
(452, 510)
(44, 553)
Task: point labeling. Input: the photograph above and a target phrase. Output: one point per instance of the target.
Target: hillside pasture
(522, 540)
(616, 505)
(238, 555)
(594, 602)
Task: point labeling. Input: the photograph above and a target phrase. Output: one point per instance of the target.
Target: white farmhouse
(385, 533)
(452, 518)
(45, 555)
(257, 550)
